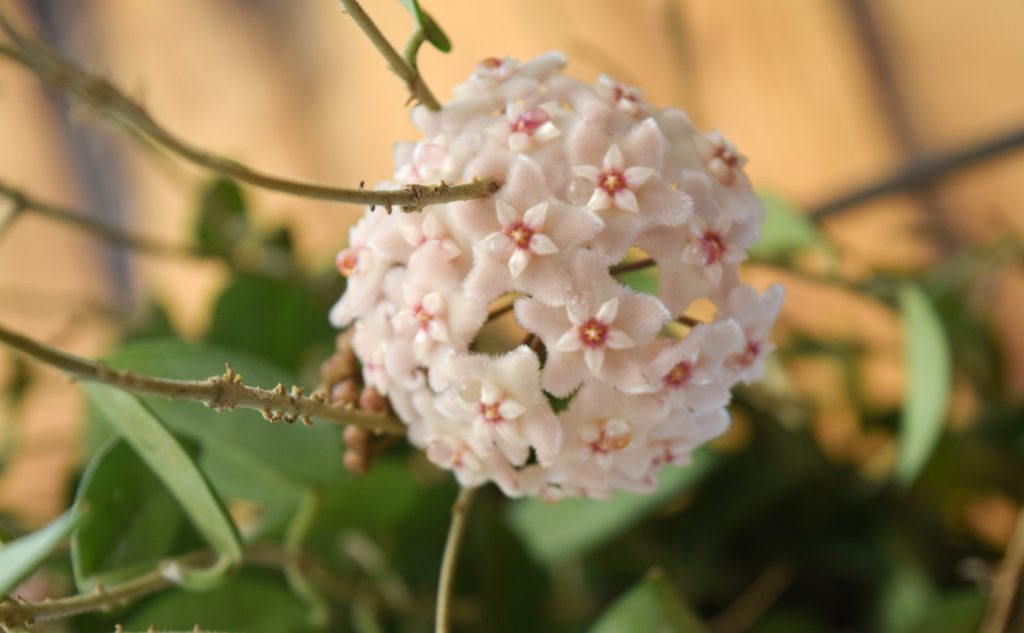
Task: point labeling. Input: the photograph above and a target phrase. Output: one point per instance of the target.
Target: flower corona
(601, 385)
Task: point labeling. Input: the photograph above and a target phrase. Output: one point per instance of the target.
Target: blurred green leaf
(928, 365)
(954, 612)
(785, 230)
(254, 602)
(570, 528)
(5, 535)
(20, 557)
(221, 224)
(652, 606)
(431, 31)
(907, 594)
(133, 524)
(275, 320)
(305, 455)
(644, 280)
(141, 429)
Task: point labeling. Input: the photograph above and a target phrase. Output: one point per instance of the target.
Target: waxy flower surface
(501, 329)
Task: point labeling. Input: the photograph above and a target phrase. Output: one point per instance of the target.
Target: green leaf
(20, 557)
(221, 224)
(431, 31)
(567, 529)
(650, 607)
(304, 455)
(5, 535)
(928, 365)
(785, 230)
(134, 522)
(253, 602)
(141, 429)
(290, 322)
(954, 612)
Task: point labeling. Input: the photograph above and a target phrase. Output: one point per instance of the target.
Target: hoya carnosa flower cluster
(592, 177)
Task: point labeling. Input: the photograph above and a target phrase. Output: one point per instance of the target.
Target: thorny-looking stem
(16, 614)
(446, 582)
(414, 82)
(60, 73)
(218, 392)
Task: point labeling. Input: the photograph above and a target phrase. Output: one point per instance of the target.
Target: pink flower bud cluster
(606, 388)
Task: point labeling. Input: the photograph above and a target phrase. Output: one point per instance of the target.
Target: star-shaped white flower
(524, 129)
(593, 334)
(426, 316)
(626, 98)
(614, 183)
(720, 157)
(520, 236)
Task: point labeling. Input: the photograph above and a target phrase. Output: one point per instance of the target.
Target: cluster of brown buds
(339, 378)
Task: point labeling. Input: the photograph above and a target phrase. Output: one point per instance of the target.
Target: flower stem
(418, 89)
(54, 70)
(412, 47)
(217, 392)
(460, 510)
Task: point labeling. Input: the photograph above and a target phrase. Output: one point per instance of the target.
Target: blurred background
(826, 97)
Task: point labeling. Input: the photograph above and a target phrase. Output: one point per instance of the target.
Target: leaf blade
(431, 31)
(161, 451)
(929, 369)
(555, 532)
(20, 557)
(652, 606)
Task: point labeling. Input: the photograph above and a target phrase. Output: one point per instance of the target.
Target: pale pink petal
(506, 213)
(496, 241)
(568, 342)
(594, 358)
(518, 261)
(626, 200)
(613, 159)
(510, 409)
(542, 245)
(617, 339)
(535, 215)
(600, 200)
(637, 176)
(608, 311)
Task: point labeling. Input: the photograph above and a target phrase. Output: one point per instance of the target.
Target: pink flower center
(520, 234)
(713, 246)
(679, 376)
(422, 316)
(607, 442)
(593, 333)
(491, 63)
(621, 93)
(491, 413)
(348, 261)
(612, 181)
(530, 120)
(748, 355)
(724, 154)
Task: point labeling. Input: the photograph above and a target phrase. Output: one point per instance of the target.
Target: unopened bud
(372, 400)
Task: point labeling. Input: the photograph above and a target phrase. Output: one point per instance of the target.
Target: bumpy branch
(56, 71)
(217, 392)
(404, 69)
(16, 614)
